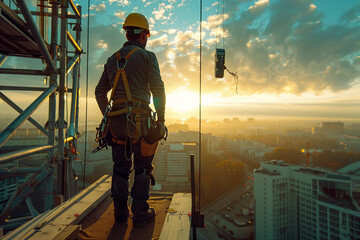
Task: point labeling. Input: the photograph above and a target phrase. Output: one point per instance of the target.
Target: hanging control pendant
(219, 62)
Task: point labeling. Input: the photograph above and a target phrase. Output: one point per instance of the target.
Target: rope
(87, 90)
(236, 78)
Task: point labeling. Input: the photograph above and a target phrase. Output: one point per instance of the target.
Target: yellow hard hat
(136, 20)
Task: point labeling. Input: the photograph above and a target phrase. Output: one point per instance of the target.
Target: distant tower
(307, 155)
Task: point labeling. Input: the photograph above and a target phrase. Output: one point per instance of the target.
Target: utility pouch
(152, 132)
(148, 149)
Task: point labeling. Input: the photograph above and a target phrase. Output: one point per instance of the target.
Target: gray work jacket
(143, 74)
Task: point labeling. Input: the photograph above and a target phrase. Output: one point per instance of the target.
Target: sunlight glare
(182, 101)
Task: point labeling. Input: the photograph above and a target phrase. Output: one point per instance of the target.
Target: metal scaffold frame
(20, 37)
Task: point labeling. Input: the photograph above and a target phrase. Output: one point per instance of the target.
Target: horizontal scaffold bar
(11, 156)
(20, 88)
(24, 72)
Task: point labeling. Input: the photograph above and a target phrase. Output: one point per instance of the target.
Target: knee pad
(147, 173)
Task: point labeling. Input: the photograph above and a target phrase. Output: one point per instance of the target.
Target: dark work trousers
(123, 163)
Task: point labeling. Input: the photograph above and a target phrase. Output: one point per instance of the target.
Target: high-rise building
(294, 202)
(172, 166)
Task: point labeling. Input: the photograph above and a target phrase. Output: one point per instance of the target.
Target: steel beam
(74, 103)
(78, 40)
(2, 59)
(17, 88)
(19, 110)
(73, 42)
(36, 34)
(77, 13)
(9, 130)
(62, 86)
(48, 198)
(24, 72)
(72, 63)
(11, 156)
(24, 191)
(19, 171)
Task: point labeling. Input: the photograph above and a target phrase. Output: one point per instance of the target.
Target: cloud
(295, 55)
(158, 42)
(100, 8)
(120, 2)
(259, 6)
(162, 9)
(185, 41)
(274, 47)
(352, 15)
(120, 14)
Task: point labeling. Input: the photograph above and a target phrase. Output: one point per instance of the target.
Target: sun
(182, 101)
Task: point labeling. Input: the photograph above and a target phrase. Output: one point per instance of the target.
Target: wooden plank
(28, 229)
(71, 232)
(74, 214)
(177, 222)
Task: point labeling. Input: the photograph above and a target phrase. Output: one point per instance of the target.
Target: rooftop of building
(312, 171)
(353, 169)
(266, 172)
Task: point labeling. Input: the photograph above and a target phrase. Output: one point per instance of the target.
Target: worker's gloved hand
(161, 125)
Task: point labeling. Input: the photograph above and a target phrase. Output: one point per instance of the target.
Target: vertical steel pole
(193, 194)
(49, 196)
(61, 121)
(77, 76)
(78, 40)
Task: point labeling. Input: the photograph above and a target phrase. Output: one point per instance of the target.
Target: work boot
(142, 214)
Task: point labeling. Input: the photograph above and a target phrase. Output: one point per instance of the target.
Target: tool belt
(140, 119)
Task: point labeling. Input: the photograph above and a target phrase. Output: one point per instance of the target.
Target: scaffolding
(21, 37)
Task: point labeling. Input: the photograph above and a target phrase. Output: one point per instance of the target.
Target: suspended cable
(223, 29)
(217, 18)
(236, 78)
(200, 105)
(87, 90)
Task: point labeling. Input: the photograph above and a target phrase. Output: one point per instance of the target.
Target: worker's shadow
(118, 231)
(143, 233)
(121, 231)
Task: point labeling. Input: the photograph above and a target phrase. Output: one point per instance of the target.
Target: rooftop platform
(89, 216)
(100, 224)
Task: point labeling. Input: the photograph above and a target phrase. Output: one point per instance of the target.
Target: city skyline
(306, 67)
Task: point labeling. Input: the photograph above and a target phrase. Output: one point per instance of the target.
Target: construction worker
(143, 77)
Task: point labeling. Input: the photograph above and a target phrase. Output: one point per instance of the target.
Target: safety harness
(132, 107)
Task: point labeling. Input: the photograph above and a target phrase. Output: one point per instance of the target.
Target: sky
(293, 58)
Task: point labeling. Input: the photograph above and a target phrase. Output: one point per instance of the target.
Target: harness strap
(122, 142)
(122, 72)
(124, 100)
(126, 84)
(137, 111)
